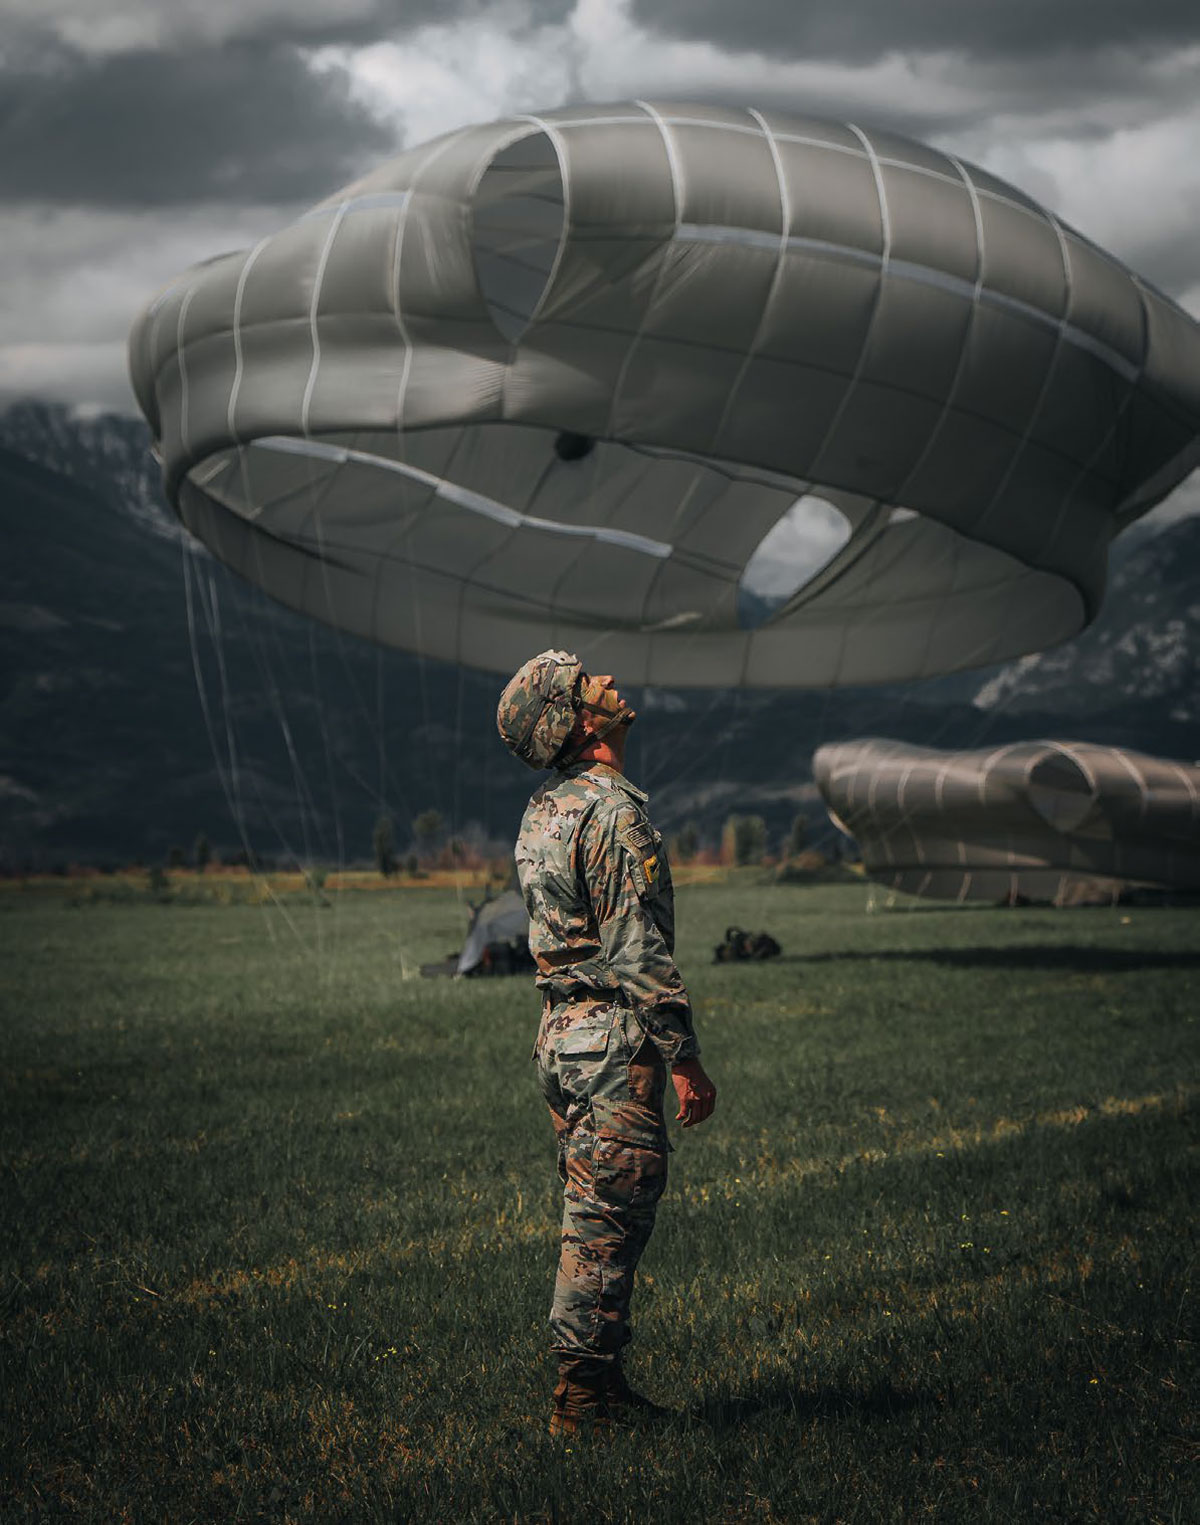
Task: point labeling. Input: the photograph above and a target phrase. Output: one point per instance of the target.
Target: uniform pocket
(631, 1121)
(630, 1160)
(585, 1040)
(627, 1174)
(583, 1054)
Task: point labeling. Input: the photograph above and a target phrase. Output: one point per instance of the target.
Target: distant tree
(687, 843)
(427, 829)
(728, 852)
(412, 865)
(743, 840)
(156, 881)
(797, 836)
(201, 852)
(176, 857)
(384, 842)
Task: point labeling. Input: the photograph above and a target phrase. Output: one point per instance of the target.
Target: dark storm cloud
(102, 28)
(393, 18)
(245, 122)
(979, 28)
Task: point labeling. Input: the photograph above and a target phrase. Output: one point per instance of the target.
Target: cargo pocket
(630, 1159)
(581, 1054)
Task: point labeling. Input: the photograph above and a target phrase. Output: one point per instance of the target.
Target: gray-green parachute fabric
(1039, 820)
(498, 920)
(717, 396)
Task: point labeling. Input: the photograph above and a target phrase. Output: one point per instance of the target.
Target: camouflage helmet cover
(537, 709)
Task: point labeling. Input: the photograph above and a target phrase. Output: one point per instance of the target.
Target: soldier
(615, 1014)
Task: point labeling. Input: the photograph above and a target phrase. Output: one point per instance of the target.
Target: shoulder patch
(639, 837)
(640, 846)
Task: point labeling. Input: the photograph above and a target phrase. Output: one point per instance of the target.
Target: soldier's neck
(608, 749)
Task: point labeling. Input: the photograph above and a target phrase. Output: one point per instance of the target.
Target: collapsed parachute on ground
(499, 923)
(497, 940)
(712, 396)
(1034, 820)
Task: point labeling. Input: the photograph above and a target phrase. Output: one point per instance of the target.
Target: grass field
(280, 1221)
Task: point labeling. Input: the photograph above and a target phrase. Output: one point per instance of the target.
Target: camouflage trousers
(603, 1081)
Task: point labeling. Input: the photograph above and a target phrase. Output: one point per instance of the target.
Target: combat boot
(581, 1400)
(625, 1402)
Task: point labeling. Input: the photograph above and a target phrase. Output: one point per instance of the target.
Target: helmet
(537, 709)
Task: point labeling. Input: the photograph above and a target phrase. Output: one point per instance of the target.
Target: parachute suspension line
(305, 804)
(334, 797)
(874, 573)
(823, 717)
(188, 551)
(307, 807)
(456, 825)
(212, 613)
(822, 727)
(434, 152)
(679, 755)
(380, 732)
(467, 579)
(369, 712)
(730, 734)
(228, 773)
(370, 715)
(289, 852)
(407, 969)
(432, 771)
(315, 495)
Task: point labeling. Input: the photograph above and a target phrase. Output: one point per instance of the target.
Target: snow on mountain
(1144, 646)
(108, 452)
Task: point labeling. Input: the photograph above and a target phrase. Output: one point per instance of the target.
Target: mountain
(111, 630)
(1141, 654)
(107, 452)
(147, 695)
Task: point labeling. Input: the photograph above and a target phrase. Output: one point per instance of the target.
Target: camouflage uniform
(597, 886)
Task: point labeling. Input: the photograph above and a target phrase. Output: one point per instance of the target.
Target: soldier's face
(599, 694)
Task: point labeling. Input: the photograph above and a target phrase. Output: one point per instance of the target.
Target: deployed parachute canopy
(716, 396)
(502, 921)
(1032, 819)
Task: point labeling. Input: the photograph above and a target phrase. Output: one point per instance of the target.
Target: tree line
(744, 840)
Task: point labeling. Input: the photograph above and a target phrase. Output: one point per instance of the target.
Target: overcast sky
(138, 136)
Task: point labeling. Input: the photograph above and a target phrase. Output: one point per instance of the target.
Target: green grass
(280, 1221)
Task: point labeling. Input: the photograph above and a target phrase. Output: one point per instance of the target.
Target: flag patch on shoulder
(639, 837)
(641, 843)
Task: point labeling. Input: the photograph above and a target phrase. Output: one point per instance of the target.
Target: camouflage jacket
(597, 885)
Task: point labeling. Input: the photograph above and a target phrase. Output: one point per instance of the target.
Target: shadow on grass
(882, 1401)
(1032, 956)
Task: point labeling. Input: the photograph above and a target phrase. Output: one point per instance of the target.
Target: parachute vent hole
(1061, 792)
(798, 546)
(573, 447)
(516, 228)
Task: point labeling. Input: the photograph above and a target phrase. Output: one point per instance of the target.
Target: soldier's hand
(696, 1092)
